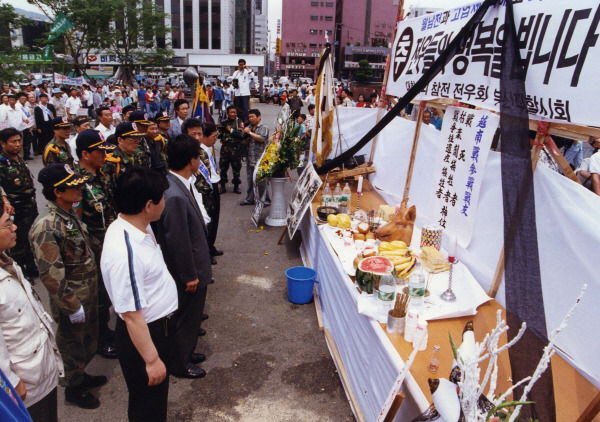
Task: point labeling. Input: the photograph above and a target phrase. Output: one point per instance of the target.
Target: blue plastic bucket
(300, 281)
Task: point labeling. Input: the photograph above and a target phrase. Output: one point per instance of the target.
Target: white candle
(451, 247)
(360, 180)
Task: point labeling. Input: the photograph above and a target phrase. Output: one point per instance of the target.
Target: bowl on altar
(324, 211)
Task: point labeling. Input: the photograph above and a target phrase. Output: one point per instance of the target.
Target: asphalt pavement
(266, 358)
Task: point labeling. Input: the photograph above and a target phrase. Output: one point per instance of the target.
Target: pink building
(365, 31)
(303, 28)
(362, 29)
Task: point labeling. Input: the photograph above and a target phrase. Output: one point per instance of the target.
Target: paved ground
(267, 360)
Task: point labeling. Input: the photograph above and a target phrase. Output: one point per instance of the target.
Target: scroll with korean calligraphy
(466, 138)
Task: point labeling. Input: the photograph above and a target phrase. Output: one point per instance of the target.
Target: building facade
(304, 26)
(261, 27)
(365, 30)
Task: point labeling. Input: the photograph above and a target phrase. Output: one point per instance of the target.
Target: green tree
(10, 57)
(137, 36)
(364, 72)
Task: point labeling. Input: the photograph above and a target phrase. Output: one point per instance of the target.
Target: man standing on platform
(96, 211)
(58, 151)
(259, 136)
(231, 149)
(182, 234)
(242, 91)
(295, 103)
(17, 182)
(143, 293)
(65, 259)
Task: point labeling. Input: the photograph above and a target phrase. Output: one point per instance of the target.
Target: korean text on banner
(558, 44)
(65, 80)
(466, 139)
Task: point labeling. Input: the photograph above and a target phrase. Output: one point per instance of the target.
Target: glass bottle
(337, 195)
(434, 363)
(345, 203)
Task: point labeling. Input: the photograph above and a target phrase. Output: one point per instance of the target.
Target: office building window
(314, 18)
(216, 24)
(329, 4)
(329, 18)
(329, 32)
(314, 3)
(313, 45)
(188, 25)
(203, 23)
(175, 24)
(313, 31)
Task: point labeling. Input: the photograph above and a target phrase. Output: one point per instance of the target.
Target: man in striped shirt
(143, 293)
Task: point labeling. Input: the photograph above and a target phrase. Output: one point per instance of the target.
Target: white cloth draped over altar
(568, 219)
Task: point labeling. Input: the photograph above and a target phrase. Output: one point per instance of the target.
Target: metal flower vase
(278, 212)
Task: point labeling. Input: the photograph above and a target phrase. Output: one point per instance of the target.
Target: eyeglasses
(9, 224)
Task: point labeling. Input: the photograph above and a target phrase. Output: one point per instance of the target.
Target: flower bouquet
(282, 153)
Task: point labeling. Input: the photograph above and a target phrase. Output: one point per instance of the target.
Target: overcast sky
(274, 7)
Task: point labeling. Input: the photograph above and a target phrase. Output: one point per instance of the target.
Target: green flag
(60, 26)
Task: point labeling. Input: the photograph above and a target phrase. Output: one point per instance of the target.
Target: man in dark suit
(44, 113)
(181, 108)
(182, 234)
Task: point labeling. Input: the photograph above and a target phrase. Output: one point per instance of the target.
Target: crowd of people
(131, 222)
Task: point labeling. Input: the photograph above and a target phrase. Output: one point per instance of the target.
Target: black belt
(166, 323)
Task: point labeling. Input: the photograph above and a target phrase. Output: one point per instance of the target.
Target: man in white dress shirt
(142, 291)
(105, 125)
(242, 89)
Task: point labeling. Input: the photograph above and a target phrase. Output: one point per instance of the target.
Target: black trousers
(191, 308)
(242, 102)
(146, 404)
(214, 218)
(46, 409)
(29, 140)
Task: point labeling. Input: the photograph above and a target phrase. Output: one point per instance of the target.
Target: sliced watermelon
(370, 270)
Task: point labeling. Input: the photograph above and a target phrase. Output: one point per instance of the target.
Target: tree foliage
(132, 31)
(10, 57)
(365, 72)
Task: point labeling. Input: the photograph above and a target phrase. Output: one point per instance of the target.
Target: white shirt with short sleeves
(135, 273)
(243, 78)
(594, 163)
(73, 104)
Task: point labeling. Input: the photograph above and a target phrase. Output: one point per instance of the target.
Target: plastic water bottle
(416, 288)
(326, 196)
(337, 195)
(345, 203)
(387, 292)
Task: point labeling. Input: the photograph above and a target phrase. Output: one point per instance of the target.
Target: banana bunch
(401, 256)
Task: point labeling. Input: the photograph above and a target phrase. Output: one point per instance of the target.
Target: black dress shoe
(246, 202)
(223, 189)
(192, 371)
(213, 261)
(212, 281)
(81, 397)
(93, 381)
(107, 351)
(217, 253)
(204, 317)
(236, 189)
(201, 332)
(197, 358)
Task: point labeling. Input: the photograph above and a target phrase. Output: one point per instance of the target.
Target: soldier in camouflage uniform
(65, 258)
(57, 150)
(164, 124)
(157, 146)
(231, 149)
(122, 158)
(142, 156)
(97, 212)
(17, 182)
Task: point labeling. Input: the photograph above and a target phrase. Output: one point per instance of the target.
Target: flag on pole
(60, 26)
(322, 135)
(200, 107)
